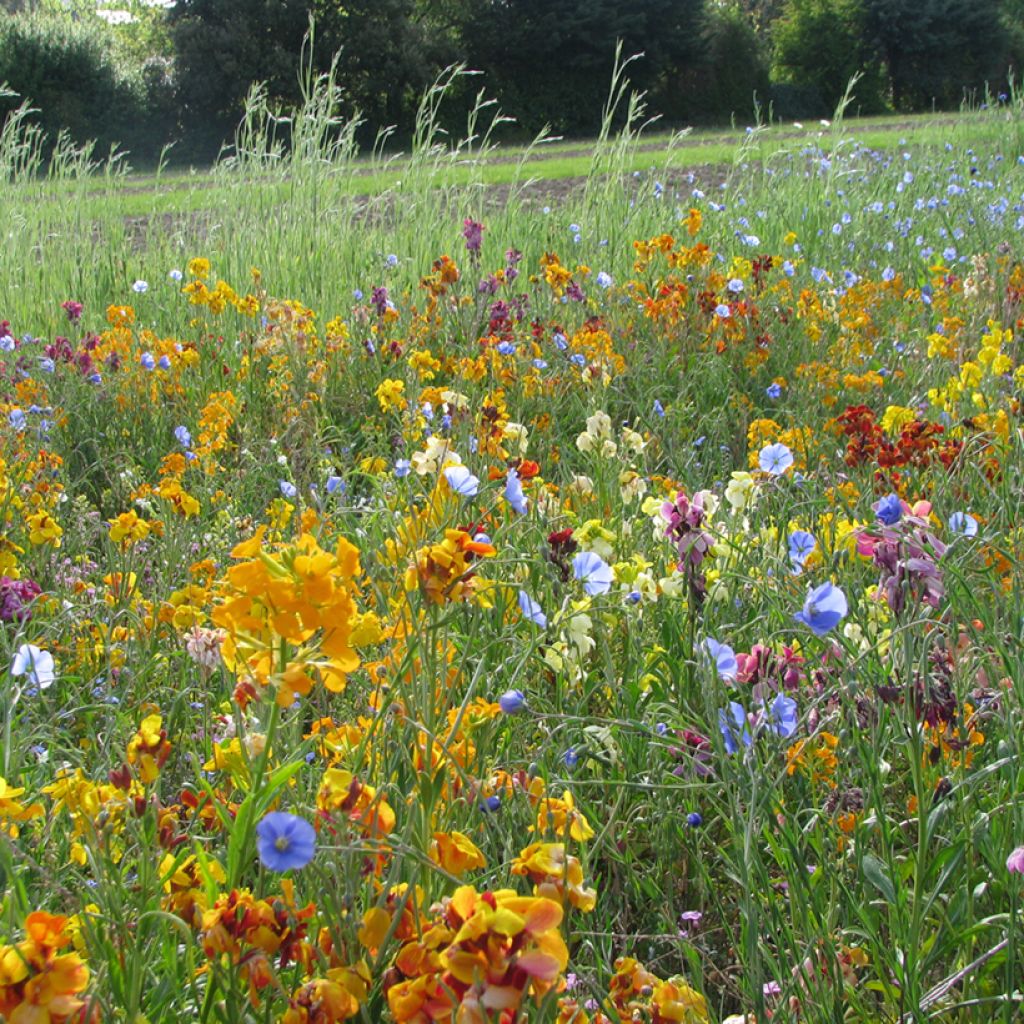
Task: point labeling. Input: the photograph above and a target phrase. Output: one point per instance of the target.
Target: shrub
(69, 73)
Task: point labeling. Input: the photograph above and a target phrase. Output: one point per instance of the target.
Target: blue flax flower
(964, 524)
(532, 610)
(775, 458)
(783, 716)
(889, 511)
(594, 571)
(724, 658)
(285, 841)
(823, 610)
(461, 481)
(801, 544)
(733, 723)
(514, 493)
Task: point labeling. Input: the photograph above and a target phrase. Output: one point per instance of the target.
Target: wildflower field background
(442, 603)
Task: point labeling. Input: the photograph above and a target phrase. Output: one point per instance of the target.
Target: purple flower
(285, 841)
(473, 233)
(889, 510)
(512, 702)
(595, 573)
(379, 298)
(1015, 862)
(685, 518)
(16, 596)
(288, 489)
(689, 920)
(773, 390)
(909, 559)
(823, 610)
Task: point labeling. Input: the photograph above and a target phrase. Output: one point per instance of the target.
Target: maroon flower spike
(16, 597)
(473, 233)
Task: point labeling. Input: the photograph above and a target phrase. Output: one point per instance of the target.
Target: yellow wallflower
(895, 418)
(390, 395)
(456, 853)
(127, 528)
(44, 529)
(559, 815)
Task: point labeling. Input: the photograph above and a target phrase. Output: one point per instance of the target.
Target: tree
(761, 15)
(390, 54)
(552, 63)
(934, 50)
(819, 46)
(730, 69)
(223, 46)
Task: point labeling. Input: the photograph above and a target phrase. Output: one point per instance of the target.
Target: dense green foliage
(181, 74)
(72, 75)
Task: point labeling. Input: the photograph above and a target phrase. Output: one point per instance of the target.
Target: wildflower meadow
(454, 603)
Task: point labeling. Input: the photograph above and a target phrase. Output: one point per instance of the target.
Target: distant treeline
(181, 74)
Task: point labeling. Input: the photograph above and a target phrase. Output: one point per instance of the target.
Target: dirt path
(566, 151)
(554, 192)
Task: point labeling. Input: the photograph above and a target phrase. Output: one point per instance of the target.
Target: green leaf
(875, 872)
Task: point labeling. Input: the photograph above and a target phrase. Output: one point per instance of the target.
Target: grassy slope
(147, 195)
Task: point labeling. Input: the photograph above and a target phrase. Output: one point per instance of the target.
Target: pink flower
(1015, 862)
